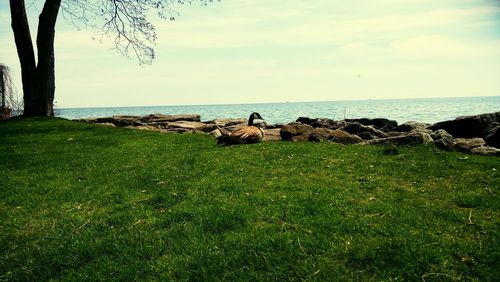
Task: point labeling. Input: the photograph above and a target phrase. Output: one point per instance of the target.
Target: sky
(248, 51)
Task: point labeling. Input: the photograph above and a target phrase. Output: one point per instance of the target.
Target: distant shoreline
(401, 110)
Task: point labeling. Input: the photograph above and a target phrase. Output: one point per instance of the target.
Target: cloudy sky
(248, 51)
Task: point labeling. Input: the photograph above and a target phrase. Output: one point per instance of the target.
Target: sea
(429, 110)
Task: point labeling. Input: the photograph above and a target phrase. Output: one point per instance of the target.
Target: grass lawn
(87, 202)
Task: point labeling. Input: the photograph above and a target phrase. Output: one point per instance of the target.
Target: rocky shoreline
(479, 134)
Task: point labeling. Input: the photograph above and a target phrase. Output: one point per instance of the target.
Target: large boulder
(295, 129)
(272, 134)
(486, 151)
(408, 139)
(468, 126)
(320, 134)
(467, 144)
(342, 137)
(492, 135)
(209, 127)
(337, 136)
(357, 128)
(411, 126)
(443, 139)
(367, 136)
(380, 123)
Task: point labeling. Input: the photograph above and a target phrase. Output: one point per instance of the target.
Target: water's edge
(423, 110)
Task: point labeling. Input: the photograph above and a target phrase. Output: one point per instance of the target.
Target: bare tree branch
(125, 20)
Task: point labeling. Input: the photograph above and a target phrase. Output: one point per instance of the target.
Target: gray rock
(486, 151)
(121, 120)
(443, 139)
(320, 122)
(108, 124)
(209, 127)
(185, 126)
(306, 120)
(379, 123)
(342, 137)
(411, 126)
(300, 138)
(366, 136)
(408, 139)
(356, 128)
(466, 144)
(395, 133)
(320, 134)
(216, 133)
(295, 129)
(87, 120)
(492, 135)
(272, 134)
(469, 126)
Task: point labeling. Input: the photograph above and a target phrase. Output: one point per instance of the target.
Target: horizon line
(260, 103)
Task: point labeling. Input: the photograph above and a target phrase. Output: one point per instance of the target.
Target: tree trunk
(38, 80)
(2, 89)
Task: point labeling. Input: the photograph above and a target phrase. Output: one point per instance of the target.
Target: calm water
(401, 110)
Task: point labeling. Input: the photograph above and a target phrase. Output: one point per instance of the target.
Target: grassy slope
(87, 202)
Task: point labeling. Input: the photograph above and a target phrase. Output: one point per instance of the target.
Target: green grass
(86, 202)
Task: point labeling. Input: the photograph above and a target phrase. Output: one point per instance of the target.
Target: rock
(395, 133)
(356, 128)
(155, 118)
(272, 135)
(144, 127)
(121, 120)
(342, 137)
(209, 127)
(337, 136)
(216, 133)
(223, 122)
(320, 134)
(492, 135)
(380, 123)
(185, 126)
(87, 120)
(295, 129)
(300, 138)
(469, 126)
(411, 126)
(107, 124)
(466, 144)
(443, 139)
(321, 122)
(486, 150)
(306, 120)
(408, 139)
(366, 136)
